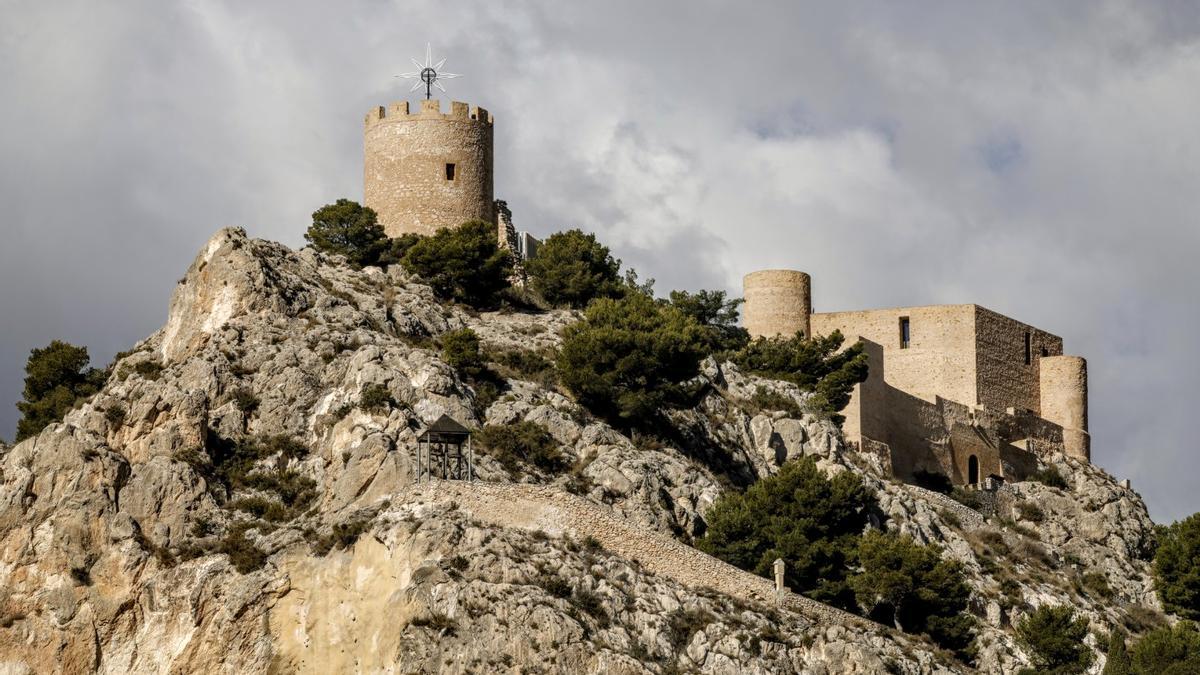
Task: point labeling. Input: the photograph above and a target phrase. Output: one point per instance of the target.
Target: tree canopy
(350, 229)
(56, 377)
(572, 268)
(464, 263)
(1177, 567)
(717, 316)
(1053, 637)
(913, 588)
(811, 522)
(815, 365)
(629, 357)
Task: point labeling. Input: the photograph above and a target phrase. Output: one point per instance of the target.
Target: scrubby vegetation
(521, 444)
(572, 268)
(629, 358)
(1166, 650)
(1049, 476)
(1053, 637)
(350, 229)
(814, 365)
(464, 263)
(57, 377)
(460, 349)
(1177, 567)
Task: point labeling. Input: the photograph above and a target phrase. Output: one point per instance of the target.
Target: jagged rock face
(97, 512)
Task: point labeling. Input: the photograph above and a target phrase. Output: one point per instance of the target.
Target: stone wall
(555, 512)
(1004, 378)
(778, 302)
(406, 178)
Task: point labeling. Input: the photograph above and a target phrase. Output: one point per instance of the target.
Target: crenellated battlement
(429, 109)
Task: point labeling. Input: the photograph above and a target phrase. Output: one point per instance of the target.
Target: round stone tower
(778, 302)
(428, 170)
(1063, 383)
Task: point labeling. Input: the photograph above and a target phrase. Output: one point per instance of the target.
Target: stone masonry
(953, 389)
(426, 170)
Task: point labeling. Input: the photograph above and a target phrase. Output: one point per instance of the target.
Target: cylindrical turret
(1063, 383)
(427, 170)
(778, 302)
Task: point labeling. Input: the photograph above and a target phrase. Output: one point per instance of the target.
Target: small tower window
(904, 333)
(449, 171)
(1028, 349)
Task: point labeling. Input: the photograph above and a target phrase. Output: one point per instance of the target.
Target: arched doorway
(972, 470)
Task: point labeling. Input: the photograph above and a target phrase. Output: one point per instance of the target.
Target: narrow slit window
(1028, 349)
(904, 332)
(449, 172)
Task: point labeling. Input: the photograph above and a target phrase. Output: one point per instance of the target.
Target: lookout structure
(958, 390)
(441, 452)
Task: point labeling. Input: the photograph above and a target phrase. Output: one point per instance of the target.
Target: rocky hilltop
(290, 373)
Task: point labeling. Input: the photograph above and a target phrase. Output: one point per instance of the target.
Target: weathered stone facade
(427, 170)
(778, 302)
(953, 389)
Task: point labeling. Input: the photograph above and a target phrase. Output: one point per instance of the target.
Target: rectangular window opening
(904, 332)
(449, 171)
(1028, 350)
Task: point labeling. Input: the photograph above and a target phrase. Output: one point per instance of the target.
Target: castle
(957, 390)
(424, 170)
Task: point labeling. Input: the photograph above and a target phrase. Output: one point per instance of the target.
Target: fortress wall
(405, 166)
(1004, 380)
(939, 360)
(778, 302)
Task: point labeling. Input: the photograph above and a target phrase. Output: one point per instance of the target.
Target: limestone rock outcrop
(123, 528)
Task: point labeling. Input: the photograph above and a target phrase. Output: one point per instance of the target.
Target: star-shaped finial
(428, 73)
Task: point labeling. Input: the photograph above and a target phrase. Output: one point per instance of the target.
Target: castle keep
(954, 389)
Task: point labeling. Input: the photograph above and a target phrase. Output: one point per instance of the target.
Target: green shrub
(629, 357)
(350, 229)
(1031, 512)
(592, 604)
(1168, 651)
(1049, 476)
(682, 624)
(572, 268)
(261, 507)
(376, 398)
(243, 554)
(437, 622)
(810, 521)
(1097, 585)
(525, 364)
(521, 443)
(115, 414)
(968, 498)
(150, 370)
(1053, 637)
(460, 349)
(554, 584)
(246, 400)
(464, 263)
(57, 377)
(294, 490)
(342, 535)
(913, 588)
(1177, 567)
(717, 317)
(765, 399)
(394, 250)
(814, 365)
(1116, 659)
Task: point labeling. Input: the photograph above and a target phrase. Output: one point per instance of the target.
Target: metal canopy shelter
(440, 452)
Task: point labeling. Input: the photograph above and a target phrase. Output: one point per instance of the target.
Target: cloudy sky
(1040, 159)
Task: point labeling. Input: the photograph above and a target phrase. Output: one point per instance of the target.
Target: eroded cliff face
(115, 554)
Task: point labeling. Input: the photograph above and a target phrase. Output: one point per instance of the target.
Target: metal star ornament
(429, 73)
